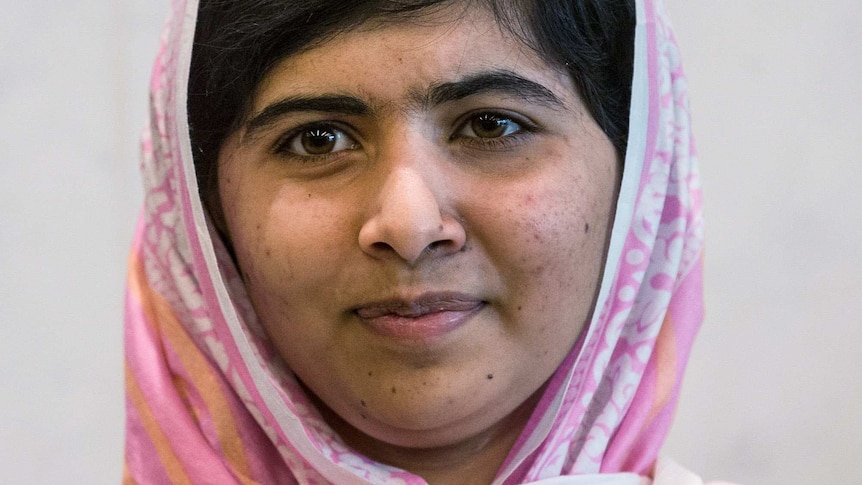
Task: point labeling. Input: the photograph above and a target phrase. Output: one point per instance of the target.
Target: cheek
(287, 242)
(546, 226)
(302, 245)
(548, 242)
(558, 255)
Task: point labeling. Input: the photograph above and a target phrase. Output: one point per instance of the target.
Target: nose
(406, 221)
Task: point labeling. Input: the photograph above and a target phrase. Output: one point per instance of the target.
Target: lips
(428, 316)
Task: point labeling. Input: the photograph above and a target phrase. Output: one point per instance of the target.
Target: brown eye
(489, 125)
(319, 140)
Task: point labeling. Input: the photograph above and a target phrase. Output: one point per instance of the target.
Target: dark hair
(238, 41)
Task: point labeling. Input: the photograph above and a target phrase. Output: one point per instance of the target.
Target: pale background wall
(774, 391)
(773, 394)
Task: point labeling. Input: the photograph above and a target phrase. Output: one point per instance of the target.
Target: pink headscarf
(209, 401)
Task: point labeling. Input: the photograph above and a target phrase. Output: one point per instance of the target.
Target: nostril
(435, 245)
(442, 245)
(382, 246)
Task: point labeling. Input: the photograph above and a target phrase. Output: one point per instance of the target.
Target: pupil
(318, 142)
(489, 126)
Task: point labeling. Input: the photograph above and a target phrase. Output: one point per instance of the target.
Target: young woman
(413, 242)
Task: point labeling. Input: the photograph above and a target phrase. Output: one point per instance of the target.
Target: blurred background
(773, 394)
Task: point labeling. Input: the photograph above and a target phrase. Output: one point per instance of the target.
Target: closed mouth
(425, 304)
(427, 316)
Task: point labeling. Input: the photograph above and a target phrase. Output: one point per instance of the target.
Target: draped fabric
(209, 401)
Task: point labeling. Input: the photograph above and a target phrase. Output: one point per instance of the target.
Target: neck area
(473, 461)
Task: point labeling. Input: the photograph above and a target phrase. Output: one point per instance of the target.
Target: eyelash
(284, 144)
(508, 140)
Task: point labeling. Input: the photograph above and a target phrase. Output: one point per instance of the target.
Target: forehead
(405, 58)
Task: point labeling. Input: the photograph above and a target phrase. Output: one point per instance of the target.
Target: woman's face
(420, 213)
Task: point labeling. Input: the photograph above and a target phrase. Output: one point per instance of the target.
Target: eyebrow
(498, 81)
(334, 103)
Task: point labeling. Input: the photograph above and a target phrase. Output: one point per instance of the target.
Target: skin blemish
(361, 402)
(490, 376)
(394, 390)
(586, 227)
(268, 253)
(370, 374)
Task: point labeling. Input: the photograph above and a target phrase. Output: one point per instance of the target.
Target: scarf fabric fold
(209, 401)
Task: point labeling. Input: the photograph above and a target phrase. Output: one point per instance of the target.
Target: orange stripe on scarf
(128, 479)
(665, 355)
(199, 370)
(169, 459)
